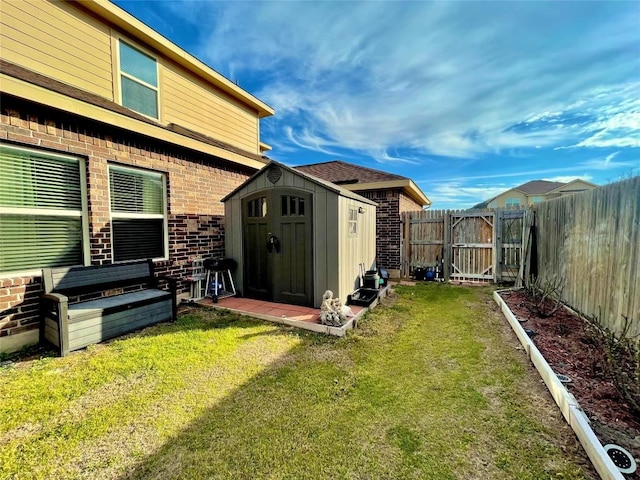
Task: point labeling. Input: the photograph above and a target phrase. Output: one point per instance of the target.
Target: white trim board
(568, 405)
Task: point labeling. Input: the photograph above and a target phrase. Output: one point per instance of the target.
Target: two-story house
(115, 145)
(533, 192)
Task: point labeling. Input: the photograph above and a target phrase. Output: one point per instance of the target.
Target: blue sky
(466, 98)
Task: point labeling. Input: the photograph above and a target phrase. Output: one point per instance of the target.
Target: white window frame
(121, 74)
(353, 222)
(512, 202)
(51, 212)
(132, 216)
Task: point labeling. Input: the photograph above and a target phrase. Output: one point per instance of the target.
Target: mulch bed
(572, 347)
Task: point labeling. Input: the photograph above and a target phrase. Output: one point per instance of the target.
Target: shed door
(278, 254)
(256, 227)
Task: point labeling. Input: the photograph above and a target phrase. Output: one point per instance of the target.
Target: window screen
(138, 220)
(41, 210)
(138, 80)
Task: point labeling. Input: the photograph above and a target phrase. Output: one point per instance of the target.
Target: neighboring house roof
(356, 178)
(339, 172)
(567, 186)
(538, 187)
(174, 133)
(535, 187)
(319, 181)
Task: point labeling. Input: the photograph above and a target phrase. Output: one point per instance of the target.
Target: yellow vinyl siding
(572, 187)
(59, 41)
(187, 102)
(65, 42)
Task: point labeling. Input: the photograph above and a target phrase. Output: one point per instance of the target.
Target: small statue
(332, 312)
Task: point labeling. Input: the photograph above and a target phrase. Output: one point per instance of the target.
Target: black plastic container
(371, 279)
(384, 276)
(363, 297)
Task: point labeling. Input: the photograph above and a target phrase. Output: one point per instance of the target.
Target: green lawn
(430, 386)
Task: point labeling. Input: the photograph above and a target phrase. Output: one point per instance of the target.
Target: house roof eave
(137, 29)
(32, 92)
(562, 187)
(406, 184)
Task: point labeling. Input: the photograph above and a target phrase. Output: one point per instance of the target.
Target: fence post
(446, 245)
(527, 240)
(497, 246)
(406, 260)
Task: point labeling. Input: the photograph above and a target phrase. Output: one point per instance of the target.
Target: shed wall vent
(274, 174)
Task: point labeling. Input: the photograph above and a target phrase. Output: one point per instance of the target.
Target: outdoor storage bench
(129, 299)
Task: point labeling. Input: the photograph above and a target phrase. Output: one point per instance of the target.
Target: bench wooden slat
(108, 305)
(118, 324)
(65, 279)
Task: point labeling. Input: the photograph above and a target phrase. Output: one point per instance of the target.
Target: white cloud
(609, 163)
(457, 195)
(310, 140)
(525, 174)
(455, 79)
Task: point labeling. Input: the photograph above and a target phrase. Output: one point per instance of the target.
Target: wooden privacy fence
(588, 245)
(480, 245)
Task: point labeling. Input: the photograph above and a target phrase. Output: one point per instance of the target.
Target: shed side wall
(355, 249)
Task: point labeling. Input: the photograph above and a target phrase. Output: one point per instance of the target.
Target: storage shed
(294, 236)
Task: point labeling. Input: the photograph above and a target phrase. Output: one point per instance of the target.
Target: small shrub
(545, 294)
(562, 329)
(622, 361)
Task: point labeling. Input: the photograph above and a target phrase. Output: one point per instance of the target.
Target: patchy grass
(431, 386)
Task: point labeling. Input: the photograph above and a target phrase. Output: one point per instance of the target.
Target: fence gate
(509, 244)
(472, 246)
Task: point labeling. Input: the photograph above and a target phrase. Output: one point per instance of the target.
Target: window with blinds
(138, 80)
(138, 214)
(43, 210)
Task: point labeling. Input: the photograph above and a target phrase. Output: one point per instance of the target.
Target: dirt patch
(571, 347)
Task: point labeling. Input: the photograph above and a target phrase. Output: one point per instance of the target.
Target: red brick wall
(196, 183)
(407, 204)
(391, 203)
(387, 226)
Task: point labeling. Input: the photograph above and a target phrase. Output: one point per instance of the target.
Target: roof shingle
(538, 187)
(340, 172)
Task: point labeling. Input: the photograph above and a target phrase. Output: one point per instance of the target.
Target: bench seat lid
(100, 306)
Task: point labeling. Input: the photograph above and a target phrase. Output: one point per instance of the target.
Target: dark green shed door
(278, 242)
